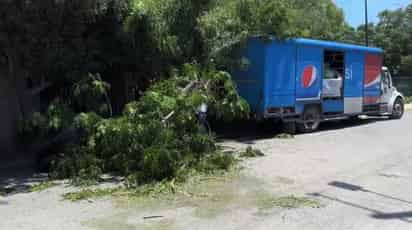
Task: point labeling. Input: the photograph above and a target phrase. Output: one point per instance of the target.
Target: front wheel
(310, 120)
(398, 109)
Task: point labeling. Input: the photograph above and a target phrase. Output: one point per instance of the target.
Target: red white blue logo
(373, 65)
(372, 80)
(309, 76)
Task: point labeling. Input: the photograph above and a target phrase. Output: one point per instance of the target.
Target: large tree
(393, 33)
(47, 42)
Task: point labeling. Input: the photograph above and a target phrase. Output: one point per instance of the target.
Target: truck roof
(335, 45)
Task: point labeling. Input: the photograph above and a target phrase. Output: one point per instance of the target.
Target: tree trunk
(13, 78)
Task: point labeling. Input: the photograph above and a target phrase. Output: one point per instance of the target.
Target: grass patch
(284, 136)
(408, 100)
(42, 186)
(163, 189)
(6, 191)
(251, 152)
(266, 201)
(87, 193)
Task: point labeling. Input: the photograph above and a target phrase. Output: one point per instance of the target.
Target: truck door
(354, 72)
(387, 89)
(308, 74)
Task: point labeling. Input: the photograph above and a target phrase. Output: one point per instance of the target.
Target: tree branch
(39, 89)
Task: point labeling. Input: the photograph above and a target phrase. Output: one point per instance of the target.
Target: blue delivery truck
(303, 82)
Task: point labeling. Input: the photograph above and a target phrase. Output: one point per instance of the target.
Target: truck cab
(392, 101)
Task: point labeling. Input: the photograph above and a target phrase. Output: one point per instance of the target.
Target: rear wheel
(398, 109)
(310, 120)
(289, 127)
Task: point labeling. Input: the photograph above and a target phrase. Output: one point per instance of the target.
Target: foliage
(216, 162)
(229, 23)
(393, 33)
(42, 186)
(406, 65)
(174, 24)
(142, 145)
(320, 19)
(80, 46)
(164, 188)
(90, 95)
(250, 152)
(408, 100)
(59, 40)
(284, 136)
(289, 202)
(232, 21)
(89, 92)
(91, 193)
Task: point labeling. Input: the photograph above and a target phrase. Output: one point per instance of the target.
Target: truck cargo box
(281, 77)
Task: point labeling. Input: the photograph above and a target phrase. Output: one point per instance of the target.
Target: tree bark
(13, 79)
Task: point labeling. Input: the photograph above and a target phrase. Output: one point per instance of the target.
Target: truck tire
(310, 120)
(289, 127)
(398, 109)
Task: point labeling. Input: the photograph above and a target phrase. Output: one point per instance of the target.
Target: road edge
(408, 107)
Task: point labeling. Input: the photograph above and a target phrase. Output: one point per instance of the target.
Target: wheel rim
(310, 121)
(398, 108)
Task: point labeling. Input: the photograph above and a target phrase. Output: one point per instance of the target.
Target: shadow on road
(344, 124)
(20, 181)
(355, 188)
(377, 214)
(249, 131)
(393, 215)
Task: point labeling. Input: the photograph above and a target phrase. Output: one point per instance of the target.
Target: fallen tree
(157, 137)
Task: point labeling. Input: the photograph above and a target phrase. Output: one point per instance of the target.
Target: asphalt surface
(360, 172)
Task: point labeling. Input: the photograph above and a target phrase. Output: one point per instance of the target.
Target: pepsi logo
(371, 80)
(309, 76)
(373, 65)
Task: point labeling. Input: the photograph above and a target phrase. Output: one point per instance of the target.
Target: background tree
(393, 33)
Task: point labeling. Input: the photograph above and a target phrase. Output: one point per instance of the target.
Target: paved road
(361, 173)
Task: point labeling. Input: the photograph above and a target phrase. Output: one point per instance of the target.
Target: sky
(355, 11)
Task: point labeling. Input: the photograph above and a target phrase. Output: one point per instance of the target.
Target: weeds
(408, 100)
(85, 194)
(284, 136)
(163, 188)
(251, 152)
(289, 202)
(6, 191)
(42, 186)
(148, 190)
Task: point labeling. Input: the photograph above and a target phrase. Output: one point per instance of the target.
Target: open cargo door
(354, 78)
